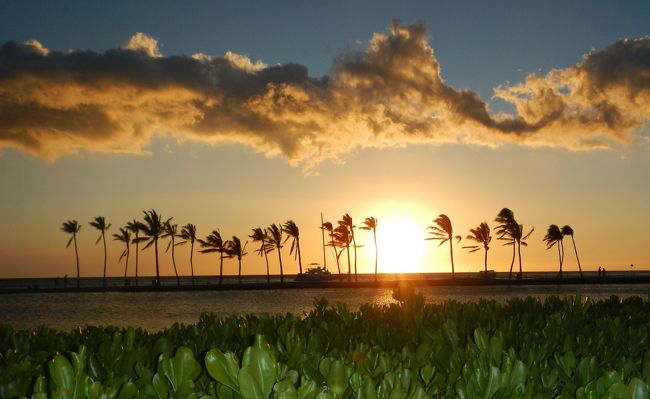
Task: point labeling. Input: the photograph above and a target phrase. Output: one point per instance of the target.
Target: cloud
(391, 94)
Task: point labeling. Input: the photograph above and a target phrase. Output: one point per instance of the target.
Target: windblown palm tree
(342, 238)
(327, 226)
(235, 249)
(442, 231)
(552, 238)
(188, 234)
(72, 227)
(135, 227)
(293, 233)
(275, 239)
(370, 224)
(511, 231)
(152, 229)
(125, 237)
(171, 232)
(568, 231)
(260, 236)
(214, 243)
(346, 221)
(481, 236)
(100, 224)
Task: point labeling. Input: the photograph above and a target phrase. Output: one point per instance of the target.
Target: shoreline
(338, 284)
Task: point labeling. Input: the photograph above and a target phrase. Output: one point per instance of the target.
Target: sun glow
(401, 245)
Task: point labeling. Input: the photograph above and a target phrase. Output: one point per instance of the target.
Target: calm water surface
(158, 310)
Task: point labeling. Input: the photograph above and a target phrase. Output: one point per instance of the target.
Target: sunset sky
(235, 115)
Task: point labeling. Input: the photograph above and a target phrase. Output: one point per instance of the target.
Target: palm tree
(342, 238)
(554, 236)
(346, 221)
(152, 228)
(442, 231)
(171, 231)
(511, 231)
(568, 231)
(135, 227)
(260, 235)
(125, 237)
(371, 225)
(235, 249)
(327, 226)
(188, 233)
(214, 243)
(481, 236)
(292, 232)
(72, 227)
(100, 224)
(275, 239)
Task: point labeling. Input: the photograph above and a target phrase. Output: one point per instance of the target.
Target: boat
(315, 274)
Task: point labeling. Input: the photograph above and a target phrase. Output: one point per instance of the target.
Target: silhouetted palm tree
(552, 238)
(188, 234)
(72, 227)
(214, 243)
(260, 236)
(235, 249)
(481, 236)
(371, 225)
(125, 237)
(342, 238)
(134, 227)
(171, 232)
(152, 228)
(442, 231)
(293, 232)
(275, 238)
(346, 221)
(100, 224)
(568, 231)
(327, 226)
(511, 231)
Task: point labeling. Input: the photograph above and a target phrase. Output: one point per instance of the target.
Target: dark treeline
(341, 239)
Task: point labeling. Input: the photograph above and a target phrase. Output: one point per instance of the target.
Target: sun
(401, 244)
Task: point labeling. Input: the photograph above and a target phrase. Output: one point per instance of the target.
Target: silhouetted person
(603, 272)
(599, 271)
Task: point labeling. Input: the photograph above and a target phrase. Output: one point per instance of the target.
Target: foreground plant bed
(526, 348)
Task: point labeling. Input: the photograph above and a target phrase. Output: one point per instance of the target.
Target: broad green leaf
(223, 367)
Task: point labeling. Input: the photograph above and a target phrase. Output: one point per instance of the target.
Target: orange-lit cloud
(392, 94)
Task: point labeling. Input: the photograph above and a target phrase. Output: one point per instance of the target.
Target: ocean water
(156, 311)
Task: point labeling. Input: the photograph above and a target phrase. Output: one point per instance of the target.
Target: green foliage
(526, 348)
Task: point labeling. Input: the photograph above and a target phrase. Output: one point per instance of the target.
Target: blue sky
(237, 185)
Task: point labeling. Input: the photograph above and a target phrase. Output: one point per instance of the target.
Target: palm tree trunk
(281, 268)
(322, 231)
(485, 260)
(559, 254)
(374, 235)
(137, 246)
(126, 266)
(299, 256)
(157, 267)
(105, 256)
(576, 251)
(519, 253)
(512, 262)
(178, 280)
(220, 267)
(451, 253)
(266, 259)
(239, 270)
(338, 260)
(191, 261)
(349, 266)
(76, 253)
